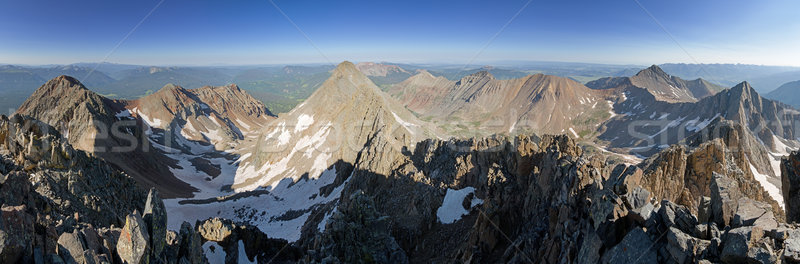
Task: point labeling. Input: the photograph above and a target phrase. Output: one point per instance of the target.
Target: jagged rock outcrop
(189, 245)
(155, 216)
(16, 229)
(790, 179)
(357, 234)
(645, 126)
(257, 246)
(683, 173)
(44, 166)
(134, 240)
(594, 212)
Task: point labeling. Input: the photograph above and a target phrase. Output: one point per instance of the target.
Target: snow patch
(126, 114)
(263, 210)
(773, 190)
(303, 122)
(695, 125)
(452, 209)
(574, 133)
(672, 124)
(611, 109)
(405, 124)
(216, 255)
(155, 122)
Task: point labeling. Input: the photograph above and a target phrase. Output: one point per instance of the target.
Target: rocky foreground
(528, 200)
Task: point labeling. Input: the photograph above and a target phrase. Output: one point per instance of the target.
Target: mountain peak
(744, 89)
(482, 74)
(653, 69)
(171, 88)
(63, 84)
(67, 79)
(345, 67)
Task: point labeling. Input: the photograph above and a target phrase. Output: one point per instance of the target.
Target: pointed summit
(744, 92)
(171, 88)
(332, 125)
(64, 82)
(345, 67)
(654, 71)
(345, 81)
(59, 96)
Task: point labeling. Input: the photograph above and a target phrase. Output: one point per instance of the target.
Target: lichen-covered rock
(73, 247)
(704, 211)
(134, 240)
(678, 216)
(155, 216)
(215, 229)
(635, 248)
(191, 245)
(747, 245)
(791, 249)
(725, 196)
(16, 229)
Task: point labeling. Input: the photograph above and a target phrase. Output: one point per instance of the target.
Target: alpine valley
(392, 163)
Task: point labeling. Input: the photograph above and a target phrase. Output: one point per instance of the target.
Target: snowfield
(452, 209)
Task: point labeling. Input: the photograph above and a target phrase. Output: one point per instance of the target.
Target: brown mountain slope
(377, 69)
(479, 103)
(143, 137)
(210, 115)
(421, 91)
(332, 125)
(89, 122)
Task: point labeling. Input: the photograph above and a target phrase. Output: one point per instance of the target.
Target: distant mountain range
(355, 173)
(788, 93)
(281, 88)
(763, 78)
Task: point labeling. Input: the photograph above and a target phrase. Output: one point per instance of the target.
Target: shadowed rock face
(790, 178)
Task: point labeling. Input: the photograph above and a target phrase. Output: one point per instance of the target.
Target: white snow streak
(452, 208)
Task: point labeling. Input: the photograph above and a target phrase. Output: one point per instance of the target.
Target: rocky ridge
(482, 104)
(62, 205)
(148, 137)
(662, 85)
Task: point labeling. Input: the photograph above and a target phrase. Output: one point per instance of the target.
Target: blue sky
(182, 32)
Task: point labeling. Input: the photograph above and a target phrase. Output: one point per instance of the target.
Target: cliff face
(683, 173)
(790, 178)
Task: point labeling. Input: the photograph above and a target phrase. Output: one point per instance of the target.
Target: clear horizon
(187, 33)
